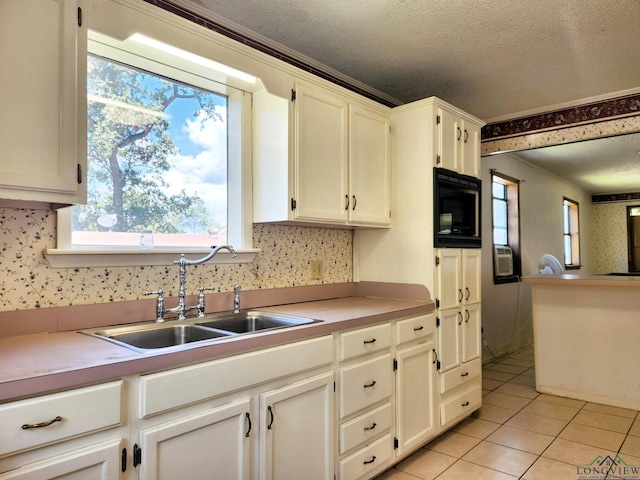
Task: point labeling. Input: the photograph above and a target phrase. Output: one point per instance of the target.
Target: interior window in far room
(505, 197)
(571, 232)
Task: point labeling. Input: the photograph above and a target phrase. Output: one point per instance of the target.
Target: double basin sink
(177, 334)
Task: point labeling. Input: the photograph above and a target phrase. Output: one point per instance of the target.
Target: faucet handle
(159, 304)
(236, 298)
(200, 306)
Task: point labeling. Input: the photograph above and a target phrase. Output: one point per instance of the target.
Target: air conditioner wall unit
(503, 261)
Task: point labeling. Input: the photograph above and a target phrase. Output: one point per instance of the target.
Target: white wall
(506, 308)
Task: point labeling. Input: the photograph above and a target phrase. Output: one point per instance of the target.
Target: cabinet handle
(249, 427)
(27, 426)
(346, 207)
(465, 374)
(465, 404)
(271, 416)
(369, 385)
(468, 316)
(466, 289)
(373, 340)
(460, 316)
(367, 462)
(460, 295)
(417, 329)
(459, 133)
(355, 202)
(373, 425)
(466, 135)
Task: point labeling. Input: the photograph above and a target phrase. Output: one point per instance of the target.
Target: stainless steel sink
(176, 334)
(248, 321)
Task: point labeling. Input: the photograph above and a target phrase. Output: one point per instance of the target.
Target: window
(571, 230)
(506, 221)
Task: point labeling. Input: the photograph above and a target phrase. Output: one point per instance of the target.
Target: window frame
(512, 199)
(573, 233)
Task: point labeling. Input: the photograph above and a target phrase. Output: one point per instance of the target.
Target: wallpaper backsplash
(28, 281)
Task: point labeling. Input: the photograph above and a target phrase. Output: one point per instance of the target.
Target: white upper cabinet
(43, 95)
(320, 159)
(458, 142)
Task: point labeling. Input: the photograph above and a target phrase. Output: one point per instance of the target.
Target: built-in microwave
(456, 209)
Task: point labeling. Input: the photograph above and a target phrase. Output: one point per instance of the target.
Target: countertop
(35, 364)
(584, 280)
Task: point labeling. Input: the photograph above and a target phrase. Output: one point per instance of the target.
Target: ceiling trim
(615, 197)
(618, 107)
(270, 49)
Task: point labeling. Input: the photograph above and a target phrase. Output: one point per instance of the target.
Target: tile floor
(519, 433)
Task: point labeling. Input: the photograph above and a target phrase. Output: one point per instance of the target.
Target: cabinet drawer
(459, 375)
(462, 404)
(68, 414)
(365, 427)
(372, 458)
(364, 341)
(415, 328)
(365, 384)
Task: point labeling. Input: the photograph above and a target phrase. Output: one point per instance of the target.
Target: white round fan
(549, 265)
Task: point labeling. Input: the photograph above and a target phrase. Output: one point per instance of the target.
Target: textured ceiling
(492, 58)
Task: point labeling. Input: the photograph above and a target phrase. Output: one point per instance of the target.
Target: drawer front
(372, 458)
(461, 405)
(362, 429)
(459, 375)
(365, 384)
(61, 416)
(415, 328)
(178, 387)
(364, 341)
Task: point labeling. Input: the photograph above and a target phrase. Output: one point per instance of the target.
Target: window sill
(132, 257)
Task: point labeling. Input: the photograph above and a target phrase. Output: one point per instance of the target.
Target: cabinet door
(414, 396)
(297, 430)
(449, 135)
(471, 149)
(471, 275)
(214, 440)
(471, 336)
(448, 280)
(449, 338)
(320, 156)
(369, 167)
(43, 100)
(97, 462)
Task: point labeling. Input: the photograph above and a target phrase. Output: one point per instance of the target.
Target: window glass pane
(567, 250)
(499, 190)
(157, 161)
(500, 236)
(499, 213)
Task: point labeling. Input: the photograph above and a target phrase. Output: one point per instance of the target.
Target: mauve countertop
(35, 364)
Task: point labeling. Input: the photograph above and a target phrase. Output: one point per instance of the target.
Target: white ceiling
(496, 59)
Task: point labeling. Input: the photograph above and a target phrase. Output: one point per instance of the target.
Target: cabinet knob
(368, 342)
(367, 462)
(465, 404)
(369, 385)
(373, 425)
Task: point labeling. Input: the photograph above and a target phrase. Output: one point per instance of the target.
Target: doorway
(633, 237)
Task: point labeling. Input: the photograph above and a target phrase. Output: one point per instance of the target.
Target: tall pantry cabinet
(426, 134)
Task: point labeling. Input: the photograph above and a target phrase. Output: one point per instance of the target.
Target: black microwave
(456, 210)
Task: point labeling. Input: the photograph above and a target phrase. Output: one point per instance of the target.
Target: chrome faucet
(236, 298)
(181, 309)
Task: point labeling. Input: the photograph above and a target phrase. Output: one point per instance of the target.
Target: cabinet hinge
(79, 16)
(437, 260)
(293, 95)
(437, 303)
(395, 364)
(438, 365)
(437, 119)
(293, 204)
(438, 159)
(137, 455)
(79, 171)
(436, 361)
(124, 460)
(334, 387)
(437, 321)
(395, 443)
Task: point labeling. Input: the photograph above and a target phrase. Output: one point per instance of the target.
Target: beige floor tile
(530, 372)
(536, 423)
(526, 355)
(569, 402)
(595, 437)
(498, 457)
(500, 367)
(486, 392)
(474, 427)
(551, 410)
(524, 440)
(548, 469)
(499, 376)
(628, 461)
(519, 390)
(425, 464)
(524, 380)
(394, 474)
(488, 384)
(495, 414)
(453, 444)
(621, 412)
(604, 421)
(462, 470)
(518, 362)
(574, 453)
(511, 402)
(635, 429)
(631, 446)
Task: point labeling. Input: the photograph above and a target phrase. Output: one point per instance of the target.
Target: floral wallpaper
(28, 281)
(609, 222)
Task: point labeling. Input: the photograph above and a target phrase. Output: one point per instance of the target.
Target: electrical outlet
(316, 270)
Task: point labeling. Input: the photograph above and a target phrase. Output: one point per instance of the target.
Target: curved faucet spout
(206, 258)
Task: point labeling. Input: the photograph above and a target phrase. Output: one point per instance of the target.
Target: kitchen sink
(176, 335)
(249, 321)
